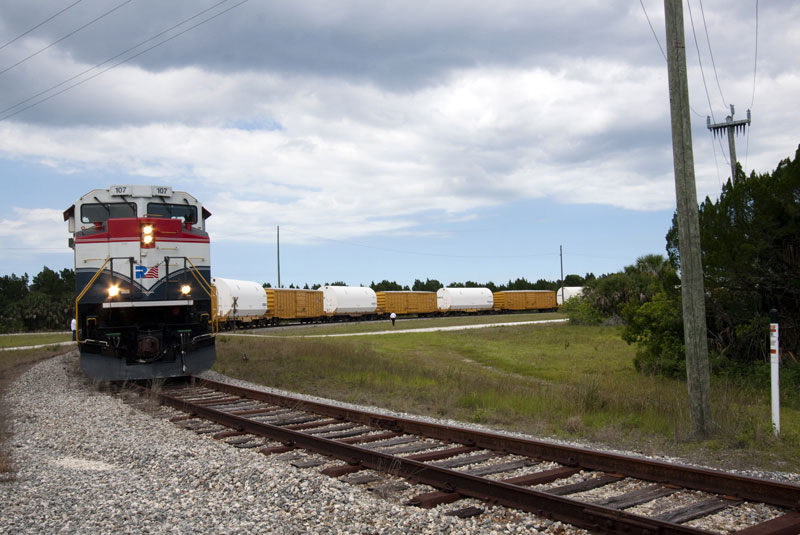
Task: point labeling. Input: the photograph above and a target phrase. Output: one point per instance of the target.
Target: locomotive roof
(135, 191)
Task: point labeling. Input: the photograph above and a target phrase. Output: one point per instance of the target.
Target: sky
(451, 140)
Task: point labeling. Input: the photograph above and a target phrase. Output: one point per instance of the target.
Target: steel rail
(714, 481)
(581, 514)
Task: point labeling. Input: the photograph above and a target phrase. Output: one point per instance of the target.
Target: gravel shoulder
(88, 462)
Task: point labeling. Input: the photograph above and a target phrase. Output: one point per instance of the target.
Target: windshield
(174, 211)
(107, 210)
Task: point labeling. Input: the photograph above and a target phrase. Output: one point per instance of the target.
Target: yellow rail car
(406, 302)
(291, 304)
(525, 300)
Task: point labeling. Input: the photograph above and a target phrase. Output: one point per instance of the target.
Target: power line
(755, 61)
(652, 30)
(753, 97)
(703, 75)
(700, 61)
(716, 162)
(73, 32)
(710, 52)
(121, 62)
(40, 93)
(660, 48)
(23, 34)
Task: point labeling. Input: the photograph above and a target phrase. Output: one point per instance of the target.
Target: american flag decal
(151, 273)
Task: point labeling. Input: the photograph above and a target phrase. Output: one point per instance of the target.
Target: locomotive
(143, 299)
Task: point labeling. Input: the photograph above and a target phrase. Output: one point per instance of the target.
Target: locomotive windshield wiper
(166, 205)
(105, 205)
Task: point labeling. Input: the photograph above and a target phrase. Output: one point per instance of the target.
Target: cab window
(174, 211)
(106, 210)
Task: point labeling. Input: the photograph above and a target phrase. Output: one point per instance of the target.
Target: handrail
(80, 296)
(210, 290)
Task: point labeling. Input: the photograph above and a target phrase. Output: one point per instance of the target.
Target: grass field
(20, 340)
(548, 380)
(401, 325)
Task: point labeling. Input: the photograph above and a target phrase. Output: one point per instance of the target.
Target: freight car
(405, 303)
(338, 303)
(521, 300)
(143, 300)
(290, 304)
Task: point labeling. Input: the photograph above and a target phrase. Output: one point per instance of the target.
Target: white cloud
(33, 229)
(352, 151)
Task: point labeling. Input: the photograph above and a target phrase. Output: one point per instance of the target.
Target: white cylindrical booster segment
(464, 299)
(248, 298)
(349, 300)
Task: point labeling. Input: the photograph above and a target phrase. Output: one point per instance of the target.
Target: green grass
(552, 380)
(20, 340)
(402, 324)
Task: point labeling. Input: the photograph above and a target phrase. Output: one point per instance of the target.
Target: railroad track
(598, 491)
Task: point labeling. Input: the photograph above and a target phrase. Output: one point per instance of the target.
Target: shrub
(657, 328)
(581, 312)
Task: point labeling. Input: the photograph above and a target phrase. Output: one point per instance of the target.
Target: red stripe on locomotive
(129, 229)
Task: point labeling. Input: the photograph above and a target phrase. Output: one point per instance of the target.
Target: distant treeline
(47, 303)
(431, 285)
(44, 304)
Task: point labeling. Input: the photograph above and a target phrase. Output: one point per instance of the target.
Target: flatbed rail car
(143, 300)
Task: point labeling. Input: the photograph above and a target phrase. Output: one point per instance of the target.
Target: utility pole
(561, 256)
(694, 309)
(279, 256)
(732, 127)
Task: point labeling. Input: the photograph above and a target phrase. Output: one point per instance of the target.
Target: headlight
(113, 291)
(186, 289)
(148, 238)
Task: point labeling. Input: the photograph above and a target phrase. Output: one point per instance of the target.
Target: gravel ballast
(88, 462)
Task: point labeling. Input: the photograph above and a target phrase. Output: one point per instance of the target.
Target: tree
(543, 284)
(387, 286)
(47, 304)
(56, 285)
(750, 242)
(13, 288)
(574, 280)
(430, 285)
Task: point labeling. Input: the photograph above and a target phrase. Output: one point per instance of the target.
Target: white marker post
(774, 359)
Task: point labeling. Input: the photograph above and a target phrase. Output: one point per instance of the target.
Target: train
(246, 304)
(144, 303)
